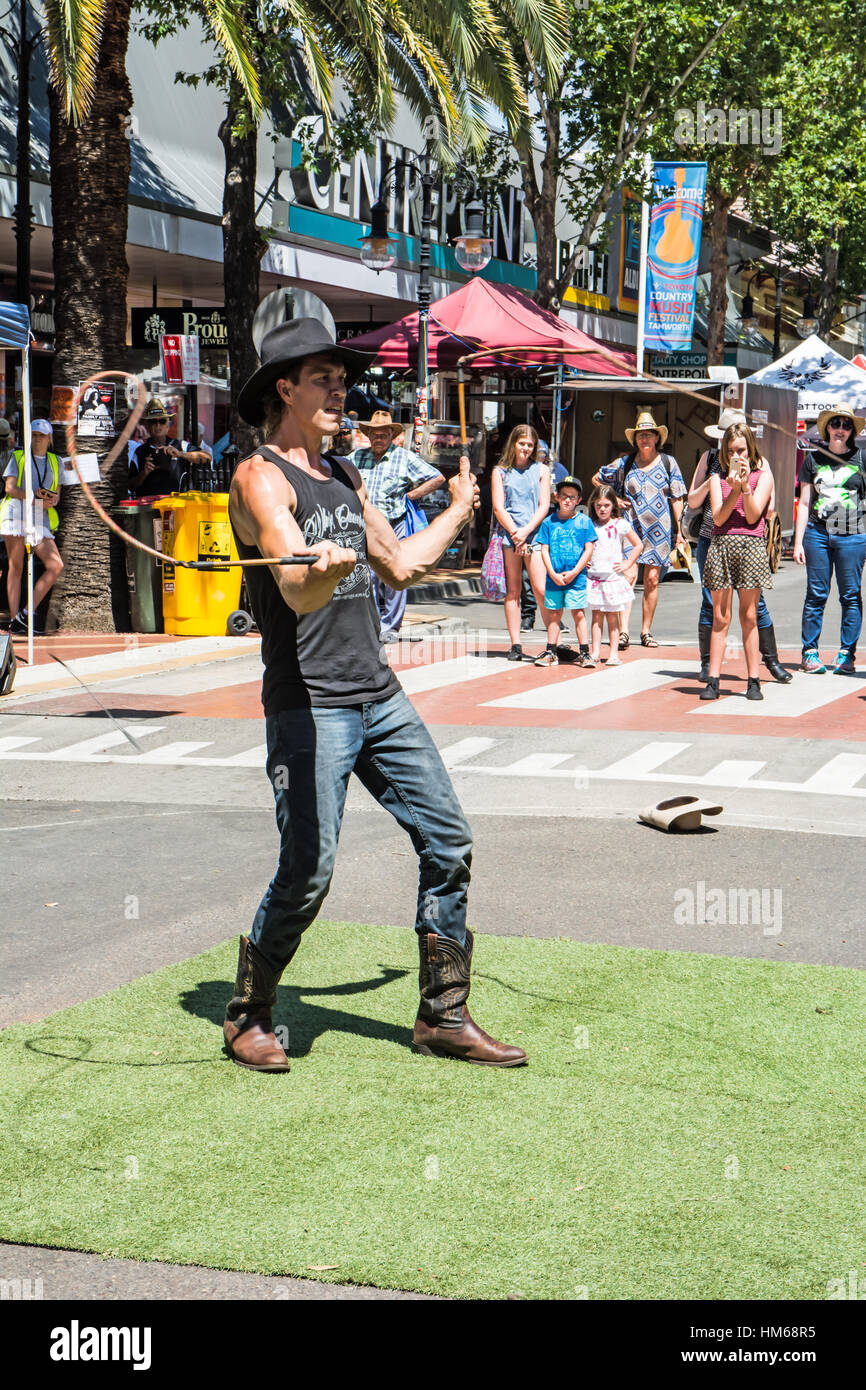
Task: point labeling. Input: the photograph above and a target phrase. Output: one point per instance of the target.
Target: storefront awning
(14, 325)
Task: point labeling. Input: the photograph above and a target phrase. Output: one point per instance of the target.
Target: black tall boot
(705, 632)
(767, 643)
(444, 1027)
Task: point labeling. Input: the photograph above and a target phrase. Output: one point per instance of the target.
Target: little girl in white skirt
(608, 589)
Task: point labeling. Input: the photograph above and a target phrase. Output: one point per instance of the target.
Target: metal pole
(641, 296)
(23, 210)
(777, 322)
(422, 400)
(29, 518)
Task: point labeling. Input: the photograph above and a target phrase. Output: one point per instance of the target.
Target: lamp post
(379, 252)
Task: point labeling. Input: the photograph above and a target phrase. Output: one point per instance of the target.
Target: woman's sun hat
(858, 421)
(645, 421)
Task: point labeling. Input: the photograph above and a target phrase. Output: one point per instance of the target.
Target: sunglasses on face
(839, 422)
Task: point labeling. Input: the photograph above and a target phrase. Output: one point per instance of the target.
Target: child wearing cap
(566, 538)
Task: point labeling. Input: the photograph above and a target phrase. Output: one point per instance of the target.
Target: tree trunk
(718, 305)
(541, 202)
(243, 249)
(90, 166)
(828, 296)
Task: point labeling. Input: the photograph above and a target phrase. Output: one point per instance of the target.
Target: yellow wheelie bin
(195, 526)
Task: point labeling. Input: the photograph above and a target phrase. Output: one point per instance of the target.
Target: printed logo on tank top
(344, 527)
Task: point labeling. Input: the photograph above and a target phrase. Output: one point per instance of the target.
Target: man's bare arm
(261, 506)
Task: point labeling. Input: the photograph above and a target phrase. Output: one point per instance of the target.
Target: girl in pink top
(737, 557)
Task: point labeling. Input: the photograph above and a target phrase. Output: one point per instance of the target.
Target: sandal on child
(647, 640)
(623, 641)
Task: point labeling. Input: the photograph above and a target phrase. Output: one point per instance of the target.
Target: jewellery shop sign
(207, 324)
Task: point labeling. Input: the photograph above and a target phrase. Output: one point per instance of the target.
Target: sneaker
(813, 664)
(753, 689)
(516, 653)
(527, 624)
(547, 658)
(711, 692)
(588, 660)
(844, 663)
(19, 624)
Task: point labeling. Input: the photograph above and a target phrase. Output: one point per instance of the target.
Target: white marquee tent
(822, 377)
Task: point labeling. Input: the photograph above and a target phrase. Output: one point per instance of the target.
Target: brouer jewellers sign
(207, 324)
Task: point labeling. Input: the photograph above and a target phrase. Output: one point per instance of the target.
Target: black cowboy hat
(289, 343)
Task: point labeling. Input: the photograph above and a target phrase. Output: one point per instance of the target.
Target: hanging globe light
(472, 250)
(378, 249)
(808, 324)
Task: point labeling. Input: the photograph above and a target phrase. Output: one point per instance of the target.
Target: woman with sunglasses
(830, 535)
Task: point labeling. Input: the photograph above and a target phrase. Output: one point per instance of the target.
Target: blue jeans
(311, 754)
(826, 554)
(706, 613)
(391, 602)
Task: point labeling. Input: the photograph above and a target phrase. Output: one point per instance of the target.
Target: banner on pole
(674, 247)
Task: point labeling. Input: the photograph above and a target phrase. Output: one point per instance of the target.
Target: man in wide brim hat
(645, 421)
(156, 413)
(858, 421)
(381, 420)
(332, 701)
(285, 347)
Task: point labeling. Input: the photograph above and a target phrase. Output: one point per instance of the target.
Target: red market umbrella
(481, 315)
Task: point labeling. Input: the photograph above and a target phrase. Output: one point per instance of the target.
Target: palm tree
(90, 100)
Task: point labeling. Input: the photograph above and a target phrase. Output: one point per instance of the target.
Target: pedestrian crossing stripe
(839, 776)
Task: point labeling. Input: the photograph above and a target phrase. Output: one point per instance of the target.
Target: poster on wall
(674, 247)
(96, 411)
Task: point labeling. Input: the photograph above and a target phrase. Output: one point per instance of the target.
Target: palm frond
(73, 31)
(231, 35)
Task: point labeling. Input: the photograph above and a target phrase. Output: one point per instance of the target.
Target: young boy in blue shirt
(566, 538)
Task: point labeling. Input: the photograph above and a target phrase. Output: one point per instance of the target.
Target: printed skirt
(737, 562)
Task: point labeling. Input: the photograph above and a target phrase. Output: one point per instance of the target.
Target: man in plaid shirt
(390, 475)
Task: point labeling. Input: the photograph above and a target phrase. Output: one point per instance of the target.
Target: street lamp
(378, 250)
(808, 324)
(473, 249)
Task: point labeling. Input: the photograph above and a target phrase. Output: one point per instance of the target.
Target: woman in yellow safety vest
(13, 528)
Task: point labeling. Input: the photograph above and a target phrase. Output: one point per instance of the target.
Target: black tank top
(331, 657)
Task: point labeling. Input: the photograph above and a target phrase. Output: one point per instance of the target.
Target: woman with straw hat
(699, 496)
(651, 485)
(830, 535)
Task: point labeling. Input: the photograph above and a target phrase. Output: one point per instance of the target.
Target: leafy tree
(630, 64)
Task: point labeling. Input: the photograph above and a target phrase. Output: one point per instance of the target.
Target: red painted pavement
(668, 709)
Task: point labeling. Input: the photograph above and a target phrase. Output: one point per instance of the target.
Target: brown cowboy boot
(248, 1028)
(444, 1027)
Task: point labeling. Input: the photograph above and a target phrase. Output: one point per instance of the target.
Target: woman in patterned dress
(650, 484)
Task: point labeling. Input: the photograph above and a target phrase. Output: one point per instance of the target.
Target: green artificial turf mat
(690, 1126)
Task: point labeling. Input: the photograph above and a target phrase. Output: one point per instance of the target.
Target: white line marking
(804, 694)
(840, 774)
(537, 764)
(645, 760)
(733, 772)
(169, 753)
(464, 748)
(88, 750)
(416, 679)
(7, 744)
(601, 688)
(251, 757)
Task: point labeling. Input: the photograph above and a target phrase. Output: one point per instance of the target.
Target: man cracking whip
(332, 703)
